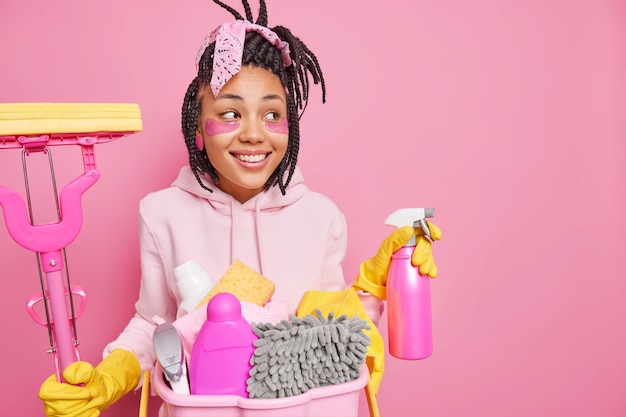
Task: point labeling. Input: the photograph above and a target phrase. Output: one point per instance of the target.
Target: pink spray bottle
(409, 317)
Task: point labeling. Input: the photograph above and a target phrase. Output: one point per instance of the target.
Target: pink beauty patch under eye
(278, 127)
(213, 127)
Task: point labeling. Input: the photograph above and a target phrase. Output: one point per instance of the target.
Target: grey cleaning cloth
(298, 354)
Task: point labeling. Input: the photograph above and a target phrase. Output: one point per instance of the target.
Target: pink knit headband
(229, 39)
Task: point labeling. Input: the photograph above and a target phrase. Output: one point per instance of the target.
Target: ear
(199, 141)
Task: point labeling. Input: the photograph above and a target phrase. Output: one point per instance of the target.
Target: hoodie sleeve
(336, 247)
(333, 276)
(155, 301)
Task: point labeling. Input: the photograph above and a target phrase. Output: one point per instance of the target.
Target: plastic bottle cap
(191, 278)
(223, 307)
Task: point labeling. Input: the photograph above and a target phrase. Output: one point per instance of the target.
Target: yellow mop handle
(371, 399)
(145, 395)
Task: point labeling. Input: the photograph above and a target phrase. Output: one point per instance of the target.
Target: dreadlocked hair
(257, 52)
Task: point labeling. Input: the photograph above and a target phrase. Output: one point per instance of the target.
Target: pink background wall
(507, 117)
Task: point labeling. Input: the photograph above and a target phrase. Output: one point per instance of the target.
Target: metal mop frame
(49, 240)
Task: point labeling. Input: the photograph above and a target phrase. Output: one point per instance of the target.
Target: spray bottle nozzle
(415, 217)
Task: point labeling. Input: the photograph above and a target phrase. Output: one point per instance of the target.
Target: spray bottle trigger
(425, 228)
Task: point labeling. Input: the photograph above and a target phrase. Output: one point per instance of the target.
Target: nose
(252, 131)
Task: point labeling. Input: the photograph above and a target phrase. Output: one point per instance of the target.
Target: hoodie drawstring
(257, 229)
(232, 230)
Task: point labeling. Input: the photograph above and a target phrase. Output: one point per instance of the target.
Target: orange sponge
(244, 283)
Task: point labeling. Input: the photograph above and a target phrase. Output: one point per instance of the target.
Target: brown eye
(272, 115)
(230, 115)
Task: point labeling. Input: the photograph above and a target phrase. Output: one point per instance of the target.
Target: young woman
(242, 197)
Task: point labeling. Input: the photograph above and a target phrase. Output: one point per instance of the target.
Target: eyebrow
(236, 97)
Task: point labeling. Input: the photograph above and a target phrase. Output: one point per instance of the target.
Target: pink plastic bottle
(220, 357)
(408, 296)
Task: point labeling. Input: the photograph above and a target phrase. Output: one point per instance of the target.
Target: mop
(299, 354)
(35, 128)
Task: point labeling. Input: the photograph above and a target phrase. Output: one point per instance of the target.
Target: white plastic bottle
(193, 284)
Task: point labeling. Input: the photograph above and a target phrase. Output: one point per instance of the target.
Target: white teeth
(252, 158)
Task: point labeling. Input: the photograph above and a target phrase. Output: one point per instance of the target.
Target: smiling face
(245, 130)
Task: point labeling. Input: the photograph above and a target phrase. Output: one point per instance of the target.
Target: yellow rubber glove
(347, 302)
(423, 253)
(372, 276)
(116, 375)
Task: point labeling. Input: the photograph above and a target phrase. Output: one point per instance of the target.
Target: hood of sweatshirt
(271, 199)
(224, 204)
